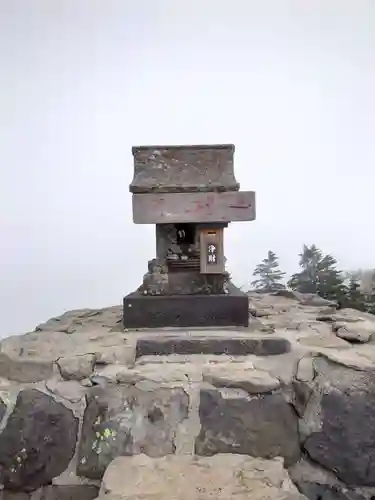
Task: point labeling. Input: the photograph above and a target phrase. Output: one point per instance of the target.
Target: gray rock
(79, 319)
(37, 442)
(70, 492)
(288, 294)
(305, 369)
(13, 495)
(24, 370)
(233, 422)
(318, 484)
(76, 367)
(341, 420)
(240, 376)
(305, 299)
(239, 345)
(118, 354)
(70, 390)
(125, 420)
(349, 315)
(357, 359)
(355, 334)
(313, 300)
(301, 395)
(3, 408)
(185, 477)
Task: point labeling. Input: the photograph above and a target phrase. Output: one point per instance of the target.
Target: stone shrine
(191, 194)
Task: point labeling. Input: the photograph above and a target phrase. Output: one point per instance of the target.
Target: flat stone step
(211, 344)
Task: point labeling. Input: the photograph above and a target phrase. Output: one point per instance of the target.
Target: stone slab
(221, 477)
(126, 420)
(190, 344)
(234, 422)
(142, 311)
(189, 168)
(167, 208)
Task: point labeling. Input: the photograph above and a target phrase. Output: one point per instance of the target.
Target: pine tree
(330, 283)
(306, 281)
(368, 290)
(354, 298)
(268, 274)
(319, 275)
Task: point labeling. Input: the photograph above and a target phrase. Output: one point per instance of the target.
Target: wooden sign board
(212, 251)
(172, 208)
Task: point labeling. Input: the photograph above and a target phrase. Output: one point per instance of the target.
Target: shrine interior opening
(186, 234)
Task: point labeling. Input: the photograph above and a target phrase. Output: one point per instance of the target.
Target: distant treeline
(319, 274)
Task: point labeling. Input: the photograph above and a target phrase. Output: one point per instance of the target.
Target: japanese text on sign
(211, 253)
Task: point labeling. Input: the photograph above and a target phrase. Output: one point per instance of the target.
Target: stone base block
(142, 311)
(188, 344)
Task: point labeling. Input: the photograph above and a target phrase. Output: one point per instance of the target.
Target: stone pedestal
(144, 311)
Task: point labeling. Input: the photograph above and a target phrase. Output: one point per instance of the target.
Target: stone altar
(191, 195)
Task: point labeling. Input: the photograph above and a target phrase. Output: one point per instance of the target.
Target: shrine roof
(183, 168)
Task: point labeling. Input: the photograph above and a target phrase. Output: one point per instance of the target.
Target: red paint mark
(202, 205)
(199, 206)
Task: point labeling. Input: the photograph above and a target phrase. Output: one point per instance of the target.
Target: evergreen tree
(268, 274)
(369, 304)
(319, 275)
(306, 281)
(368, 290)
(354, 298)
(330, 283)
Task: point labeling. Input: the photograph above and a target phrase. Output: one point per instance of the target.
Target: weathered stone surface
(196, 168)
(346, 315)
(126, 420)
(185, 311)
(289, 294)
(305, 299)
(234, 422)
(302, 392)
(155, 281)
(37, 443)
(305, 369)
(195, 283)
(26, 371)
(310, 299)
(358, 359)
(354, 333)
(81, 319)
(319, 484)
(28, 350)
(166, 208)
(13, 495)
(160, 373)
(70, 390)
(3, 408)
(238, 345)
(76, 367)
(70, 492)
(117, 354)
(241, 376)
(220, 477)
(318, 341)
(339, 422)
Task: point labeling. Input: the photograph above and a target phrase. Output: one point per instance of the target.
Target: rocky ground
(89, 409)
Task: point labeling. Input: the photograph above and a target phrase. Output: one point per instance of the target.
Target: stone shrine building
(191, 195)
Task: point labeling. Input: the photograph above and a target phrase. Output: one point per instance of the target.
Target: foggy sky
(290, 83)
